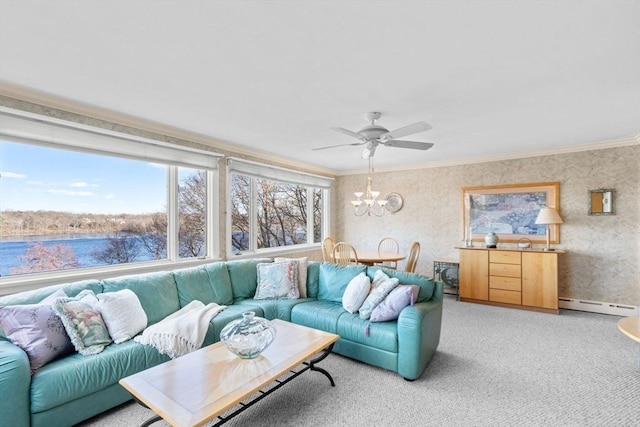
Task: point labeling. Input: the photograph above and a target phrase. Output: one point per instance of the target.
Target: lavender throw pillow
(399, 298)
(378, 293)
(37, 330)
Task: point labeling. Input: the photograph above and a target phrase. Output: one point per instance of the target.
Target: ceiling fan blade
(408, 144)
(339, 145)
(348, 132)
(406, 130)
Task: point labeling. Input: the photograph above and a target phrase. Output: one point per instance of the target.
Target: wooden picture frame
(510, 211)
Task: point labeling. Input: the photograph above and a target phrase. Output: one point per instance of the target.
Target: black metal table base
(308, 366)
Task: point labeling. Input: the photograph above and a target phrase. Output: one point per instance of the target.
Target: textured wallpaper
(602, 262)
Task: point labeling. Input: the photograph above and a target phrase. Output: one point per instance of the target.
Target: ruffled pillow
(382, 289)
(83, 322)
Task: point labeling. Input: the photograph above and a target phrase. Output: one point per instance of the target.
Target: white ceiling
(493, 78)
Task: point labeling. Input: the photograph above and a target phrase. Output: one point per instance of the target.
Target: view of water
(81, 244)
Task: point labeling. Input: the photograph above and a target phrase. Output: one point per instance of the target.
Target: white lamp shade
(548, 216)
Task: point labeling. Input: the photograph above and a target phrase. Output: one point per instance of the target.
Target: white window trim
(24, 127)
(275, 173)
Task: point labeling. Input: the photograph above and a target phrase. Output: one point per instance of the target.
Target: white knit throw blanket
(183, 331)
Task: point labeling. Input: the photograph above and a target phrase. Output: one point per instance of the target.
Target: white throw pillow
(122, 313)
(356, 292)
(302, 273)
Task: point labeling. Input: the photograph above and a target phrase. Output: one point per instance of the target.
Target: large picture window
(98, 199)
(273, 207)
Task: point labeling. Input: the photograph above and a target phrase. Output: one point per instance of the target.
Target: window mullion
(253, 215)
(172, 213)
(310, 231)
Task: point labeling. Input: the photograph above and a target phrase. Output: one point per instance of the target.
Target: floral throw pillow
(277, 280)
(83, 322)
(37, 330)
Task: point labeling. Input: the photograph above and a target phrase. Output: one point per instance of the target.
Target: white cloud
(110, 196)
(71, 193)
(35, 182)
(13, 175)
(82, 184)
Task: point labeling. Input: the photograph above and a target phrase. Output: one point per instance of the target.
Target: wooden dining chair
(327, 249)
(390, 245)
(345, 254)
(412, 259)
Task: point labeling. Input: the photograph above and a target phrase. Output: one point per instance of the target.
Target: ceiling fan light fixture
(370, 204)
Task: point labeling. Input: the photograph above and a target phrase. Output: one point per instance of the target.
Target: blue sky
(42, 178)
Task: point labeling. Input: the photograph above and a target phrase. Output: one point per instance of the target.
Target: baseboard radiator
(599, 307)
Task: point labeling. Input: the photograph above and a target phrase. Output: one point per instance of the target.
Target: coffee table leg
(151, 420)
(313, 367)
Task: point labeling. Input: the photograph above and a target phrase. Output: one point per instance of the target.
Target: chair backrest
(327, 249)
(344, 254)
(412, 259)
(389, 244)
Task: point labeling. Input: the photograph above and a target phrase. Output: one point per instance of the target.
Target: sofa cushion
(334, 279)
(206, 283)
(37, 330)
(75, 376)
(83, 322)
(274, 308)
(244, 276)
(277, 280)
(37, 295)
(313, 278)
(157, 292)
(220, 282)
(383, 335)
(122, 313)
(427, 284)
(318, 315)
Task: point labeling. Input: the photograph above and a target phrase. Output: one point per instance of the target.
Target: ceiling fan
(373, 135)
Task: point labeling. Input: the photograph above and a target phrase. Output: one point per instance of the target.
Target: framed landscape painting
(510, 211)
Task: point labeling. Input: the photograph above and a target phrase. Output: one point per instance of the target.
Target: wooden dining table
(375, 257)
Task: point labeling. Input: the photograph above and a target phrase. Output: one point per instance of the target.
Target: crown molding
(45, 99)
(613, 143)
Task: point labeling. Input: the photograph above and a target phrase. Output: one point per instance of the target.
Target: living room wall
(602, 252)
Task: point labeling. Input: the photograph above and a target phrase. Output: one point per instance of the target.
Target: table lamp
(548, 216)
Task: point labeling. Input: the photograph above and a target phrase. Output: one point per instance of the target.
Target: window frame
(283, 175)
(27, 128)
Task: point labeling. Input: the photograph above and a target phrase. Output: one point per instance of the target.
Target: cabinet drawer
(506, 283)
(508, 270)
(507, 297)
(504, 257)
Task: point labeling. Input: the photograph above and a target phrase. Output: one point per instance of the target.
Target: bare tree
(119, 248)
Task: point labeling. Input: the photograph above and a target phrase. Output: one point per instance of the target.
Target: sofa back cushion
(426, 284)
(36, 296)
(157, 292)
(244, 277)
(313, 278)
(334, 279)
(207, 283)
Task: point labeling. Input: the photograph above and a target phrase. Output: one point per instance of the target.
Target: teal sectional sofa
(75, 387)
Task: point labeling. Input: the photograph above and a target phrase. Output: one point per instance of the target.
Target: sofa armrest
(419, 334)
(15, 381)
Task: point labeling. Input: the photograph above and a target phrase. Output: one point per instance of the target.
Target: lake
(81, 244)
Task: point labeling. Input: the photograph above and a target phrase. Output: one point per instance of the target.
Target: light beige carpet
(494, 367)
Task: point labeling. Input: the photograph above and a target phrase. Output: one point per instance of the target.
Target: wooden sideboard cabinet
(508, 277)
